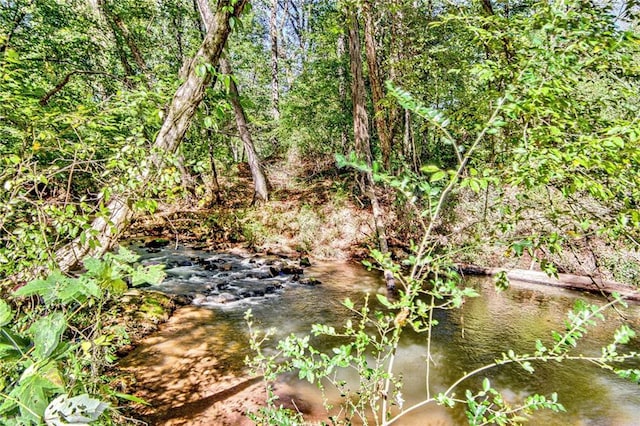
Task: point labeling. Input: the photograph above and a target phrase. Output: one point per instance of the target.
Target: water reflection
(215, 341)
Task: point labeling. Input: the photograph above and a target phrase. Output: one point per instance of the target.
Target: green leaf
(429, 168)
(32, 393)
(47, 289)
(131, 398)
(79, 290)
(501, 281)
(153, 275)
(46, 333)
(201, 70)
(348, 303)
(383, 300)
(125, 255)
(439, 175)
(6, 315)
(94, 266)
(474, 185)
(12, 345)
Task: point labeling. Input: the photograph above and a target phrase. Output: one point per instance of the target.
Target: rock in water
(310, 281)
(292, 270)
(157, 243)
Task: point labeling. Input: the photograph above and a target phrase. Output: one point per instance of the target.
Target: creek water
(465, 339)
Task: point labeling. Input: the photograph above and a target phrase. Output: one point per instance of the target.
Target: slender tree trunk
(177, 23)
(260, 184)
(358, 95)
(273, 35)
(131, 44)
(377, 89)
(361, 135)
(409, 146)
(187, 180)
(215, 185)
(397, 53)
(342, 89)
(180, 112)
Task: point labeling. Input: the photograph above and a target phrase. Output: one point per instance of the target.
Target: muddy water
(198, 360)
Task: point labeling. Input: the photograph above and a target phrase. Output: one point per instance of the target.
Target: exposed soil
(307, 215)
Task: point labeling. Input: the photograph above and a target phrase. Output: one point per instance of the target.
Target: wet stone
(291, 270)
(274, 271)
(261, 275)
(210, 266)
(211, 279)
(157, 243)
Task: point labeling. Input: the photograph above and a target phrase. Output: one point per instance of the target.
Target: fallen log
(568, 281)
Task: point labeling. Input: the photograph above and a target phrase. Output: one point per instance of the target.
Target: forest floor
(312, 212)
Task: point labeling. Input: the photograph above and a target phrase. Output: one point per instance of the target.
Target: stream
(224, 285)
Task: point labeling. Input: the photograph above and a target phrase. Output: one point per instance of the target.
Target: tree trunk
(409, 146)
(128, 39)
(260, 183)
(275, 87)
(214, 186)
(377, 89)
(178, 118)
(398, 52)
(261, 192)
(342, 89)
(358, 95)
(362, 138)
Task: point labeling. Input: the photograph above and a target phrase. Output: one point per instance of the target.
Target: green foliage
(537, 98)
(75, 129)
(489, 407)
(60, 347)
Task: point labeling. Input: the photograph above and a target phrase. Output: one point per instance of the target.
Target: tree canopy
(109, 109)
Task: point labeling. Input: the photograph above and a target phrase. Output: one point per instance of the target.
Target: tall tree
(377, 89)
(107, 228)
(362, 135)
(342, 89)
(260, 184)
(273, 36)
(121, 34)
